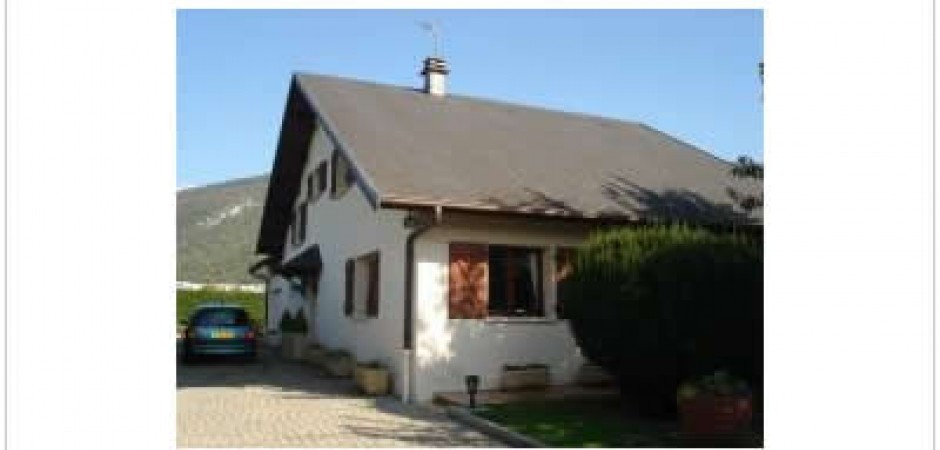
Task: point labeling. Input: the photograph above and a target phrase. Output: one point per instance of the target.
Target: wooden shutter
(372, 297)
(350, 284)
(310, 194)
(334, 160)
(321, 178)
(468, 285)
(303, 223)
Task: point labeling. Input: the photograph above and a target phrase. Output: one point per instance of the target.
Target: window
(302, 226)
(343, 176)
(515, 280)
(316, 182)
(216, 317)
(321, 178)
(293, 229)
(495, 281)
(564, 267)
(362, 286)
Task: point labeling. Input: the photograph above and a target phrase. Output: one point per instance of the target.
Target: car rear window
(215, 317)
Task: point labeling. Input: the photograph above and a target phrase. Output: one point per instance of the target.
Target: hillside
(216, 230)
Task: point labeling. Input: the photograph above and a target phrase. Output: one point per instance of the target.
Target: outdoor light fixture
(473, 383)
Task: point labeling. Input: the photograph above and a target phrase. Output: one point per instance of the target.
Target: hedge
(659, 305)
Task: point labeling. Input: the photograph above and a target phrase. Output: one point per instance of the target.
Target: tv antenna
(434, 31)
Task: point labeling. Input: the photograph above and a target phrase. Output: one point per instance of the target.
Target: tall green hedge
(658, 305)
(187, 300)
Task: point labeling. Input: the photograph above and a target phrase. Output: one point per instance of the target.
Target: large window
(495, 281)
(515, 281)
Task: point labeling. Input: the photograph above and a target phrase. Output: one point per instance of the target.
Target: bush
(656, 306)
(296, 324)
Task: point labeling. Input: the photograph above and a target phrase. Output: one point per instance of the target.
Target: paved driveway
(273, 403)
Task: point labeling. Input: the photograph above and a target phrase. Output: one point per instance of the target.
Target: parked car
(218, 329)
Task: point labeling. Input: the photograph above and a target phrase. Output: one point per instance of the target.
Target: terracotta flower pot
(339, 365)
(372, 380)
(316, 355)
(715, 414)
(293, 346)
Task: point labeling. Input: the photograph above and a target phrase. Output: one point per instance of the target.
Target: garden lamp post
(473, 384)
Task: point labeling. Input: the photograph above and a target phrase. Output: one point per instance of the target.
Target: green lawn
(596, 424)
(186, 301)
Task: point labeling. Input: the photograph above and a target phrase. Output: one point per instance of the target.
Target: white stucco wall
(447, 350)
(349, 227)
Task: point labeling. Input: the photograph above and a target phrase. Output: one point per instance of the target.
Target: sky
(690, 73)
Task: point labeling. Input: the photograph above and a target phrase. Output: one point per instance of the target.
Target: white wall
(344, 228)
(447, 350)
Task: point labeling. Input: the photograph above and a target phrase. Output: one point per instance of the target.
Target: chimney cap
(434, 64)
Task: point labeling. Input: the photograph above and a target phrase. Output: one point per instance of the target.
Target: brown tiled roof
(414, 148)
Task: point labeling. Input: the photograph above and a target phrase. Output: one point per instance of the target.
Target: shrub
(656, 306)
(296, 324)
(300, 322)
(285, 324)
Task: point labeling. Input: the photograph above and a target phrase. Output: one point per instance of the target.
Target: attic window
(316, 182)
(302, 226)
(343, 176)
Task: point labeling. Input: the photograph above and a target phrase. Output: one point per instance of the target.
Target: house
(428, 231)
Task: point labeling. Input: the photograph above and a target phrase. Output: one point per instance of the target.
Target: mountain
(216, 230)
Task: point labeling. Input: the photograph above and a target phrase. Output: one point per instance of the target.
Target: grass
(596, 424)
(186, 301)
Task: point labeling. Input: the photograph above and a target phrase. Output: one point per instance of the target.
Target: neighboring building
(429, 231)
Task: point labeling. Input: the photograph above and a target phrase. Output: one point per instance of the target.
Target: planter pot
(372, 380)
(316, 355)
(707, 415)
(339, 366)
(293, 346)
(272, 339)
(531, 377)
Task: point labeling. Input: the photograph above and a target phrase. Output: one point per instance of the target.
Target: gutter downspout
(408, 347)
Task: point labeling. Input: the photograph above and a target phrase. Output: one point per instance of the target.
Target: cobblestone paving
(272, 403)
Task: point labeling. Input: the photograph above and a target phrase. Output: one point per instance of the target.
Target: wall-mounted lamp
(473, 384)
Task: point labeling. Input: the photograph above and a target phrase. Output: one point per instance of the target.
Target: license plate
(222, 335)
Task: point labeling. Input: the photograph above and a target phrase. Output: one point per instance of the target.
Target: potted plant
(339, 363)
(372, 377)
(714, 404)
(316, 354)
(293, 335)
(527, 376)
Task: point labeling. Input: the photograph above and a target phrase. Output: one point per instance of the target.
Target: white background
(90, 240)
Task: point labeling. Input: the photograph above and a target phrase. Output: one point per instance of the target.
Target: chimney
(435, 76)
